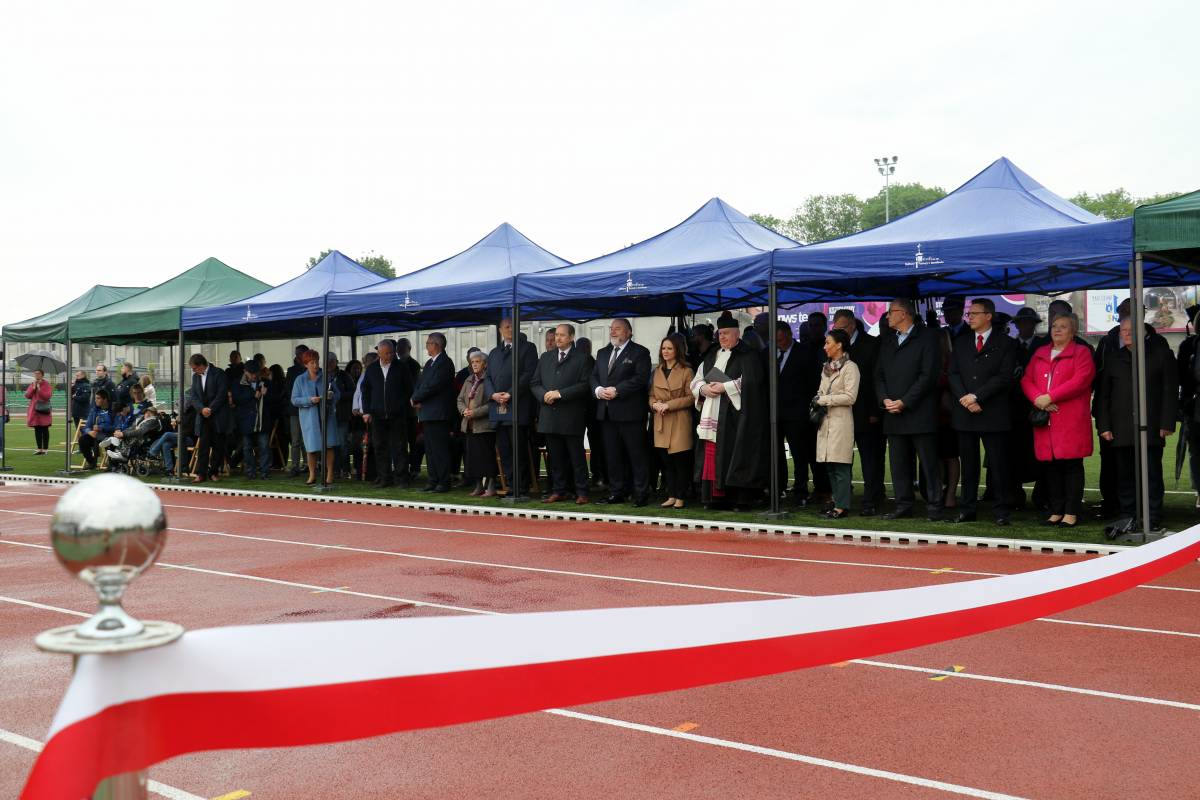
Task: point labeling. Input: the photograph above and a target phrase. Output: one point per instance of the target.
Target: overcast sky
(137, 139)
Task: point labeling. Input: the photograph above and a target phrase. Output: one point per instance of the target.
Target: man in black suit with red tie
(621, 384)
(982, 366)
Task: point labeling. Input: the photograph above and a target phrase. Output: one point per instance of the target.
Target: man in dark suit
(386, 402)
(435, 400)
(868, 423)
(794, 393)
(621, 384)
(561, 384)
(982, 366)
(498, 387)
(953, 306)
(906, 378)
(210, 396)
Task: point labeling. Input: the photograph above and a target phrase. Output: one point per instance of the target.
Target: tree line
(827, 216)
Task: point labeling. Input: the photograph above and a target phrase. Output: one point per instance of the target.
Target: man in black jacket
(210, 396)
(435, 401)
(796, 389)
(498, 387)
(1116, 415)
(386, 402)
(906, 378)
(413, 444)
(129, 379)
(81, 398)
(561, 384)
(103, 381)
(621, 384)
(982, 366)
(868, 423)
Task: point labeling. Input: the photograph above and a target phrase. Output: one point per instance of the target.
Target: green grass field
(1180, 511)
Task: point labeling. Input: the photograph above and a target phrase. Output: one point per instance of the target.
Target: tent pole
(66, 470)
(775, 511)
(4, 467)
(321, 485)
(179, 432)
(1141, 461)
(514, 482)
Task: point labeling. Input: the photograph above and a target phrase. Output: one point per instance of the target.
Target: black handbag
(1039, 417)
(42, 407)
(816, 413)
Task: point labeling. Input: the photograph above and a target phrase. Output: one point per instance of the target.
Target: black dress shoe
(867, 511)
(428, 488)
(966, 516)
(1003, 522)
(639, 502)
(440, 489)
(802, 502)
(611, 500)
(935, 515)
(900, 514)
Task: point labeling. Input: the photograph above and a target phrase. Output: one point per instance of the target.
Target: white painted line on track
(927, 783)
(42, 606)
(1056, 687)
(1132, 629)
(885, 664)
(158, 788)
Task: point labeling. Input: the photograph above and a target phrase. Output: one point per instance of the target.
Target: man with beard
(732, 434)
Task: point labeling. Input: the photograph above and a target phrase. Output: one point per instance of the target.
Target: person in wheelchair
(131, 439)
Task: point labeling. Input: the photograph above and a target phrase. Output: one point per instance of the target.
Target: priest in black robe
(732, 452)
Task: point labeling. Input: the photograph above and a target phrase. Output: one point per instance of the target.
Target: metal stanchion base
(515, 499)
(322, 488)
(1140, 538)
(67, 639)
(775, 515)
(7, 468)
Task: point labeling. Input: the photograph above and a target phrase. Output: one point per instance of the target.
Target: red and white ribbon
(311, 683)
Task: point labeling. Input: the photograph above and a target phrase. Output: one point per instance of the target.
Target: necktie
(562, 356)
(613, 358)
(978, 342)
(428, 363)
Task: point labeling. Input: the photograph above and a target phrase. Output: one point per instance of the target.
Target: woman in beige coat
(835, 438)
(671, 402)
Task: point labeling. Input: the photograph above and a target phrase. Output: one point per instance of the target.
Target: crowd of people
(689, 422)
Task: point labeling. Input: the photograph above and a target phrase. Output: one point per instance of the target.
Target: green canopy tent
(154, 317)
(1169, 233)
(51, 328)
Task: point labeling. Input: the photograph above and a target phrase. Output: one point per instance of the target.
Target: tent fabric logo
(408, 302)
(630, 284)
(921, 260)
(249, 315)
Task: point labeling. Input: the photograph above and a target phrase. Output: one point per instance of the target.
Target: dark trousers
(1110, 491)
(412, 448)
(89, 448)
(599, 464)
(504, 444)
(903, 451)
(677, 469)
(355, 455)
(41, 436)
(625, 443)
(210, 449)
(1126, 478)
(871, 447)
(250, 443)
(793, 431)
(437, 451)
(996, 443)
(388, 437)
(1064, 481)
(568, 464)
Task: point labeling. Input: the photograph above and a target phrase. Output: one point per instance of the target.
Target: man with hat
(1027, 340)
(1025, 466)
(730, 390)
(953, 306)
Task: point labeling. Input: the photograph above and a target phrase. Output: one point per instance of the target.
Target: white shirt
(204, 379)
(975, 336)
(901, 337)
(385, 368)
(612, 359)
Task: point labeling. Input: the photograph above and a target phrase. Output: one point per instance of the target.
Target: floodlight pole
(887, 168)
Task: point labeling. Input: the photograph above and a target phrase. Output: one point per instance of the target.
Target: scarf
(832, 368)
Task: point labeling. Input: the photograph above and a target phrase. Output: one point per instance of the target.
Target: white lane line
(41, 606)
(1158, 631)
(154, 786)
(885, 664)
(898, 777)
(1056, 687)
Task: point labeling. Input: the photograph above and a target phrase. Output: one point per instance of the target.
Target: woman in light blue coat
(306, 396)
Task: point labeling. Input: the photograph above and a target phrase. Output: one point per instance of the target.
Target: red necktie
(978, 342)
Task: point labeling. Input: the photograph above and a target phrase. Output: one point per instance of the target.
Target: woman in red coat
(37, 394)
(1058, 379)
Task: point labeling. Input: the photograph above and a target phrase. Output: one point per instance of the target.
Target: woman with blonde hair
(671, 402)
(147, 384)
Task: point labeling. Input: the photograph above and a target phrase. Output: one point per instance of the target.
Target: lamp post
(887, 168)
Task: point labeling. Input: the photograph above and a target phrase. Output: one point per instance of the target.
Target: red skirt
(708, 472)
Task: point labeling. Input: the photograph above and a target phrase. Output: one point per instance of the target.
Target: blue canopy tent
(472, 287)
(717, 258)
(999, 231)
(295, 308)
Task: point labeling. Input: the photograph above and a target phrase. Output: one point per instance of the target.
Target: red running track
(1045, 709)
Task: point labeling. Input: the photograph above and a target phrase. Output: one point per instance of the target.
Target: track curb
(808, 532)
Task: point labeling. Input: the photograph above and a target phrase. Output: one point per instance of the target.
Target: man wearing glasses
(982, 367)
(906, 382)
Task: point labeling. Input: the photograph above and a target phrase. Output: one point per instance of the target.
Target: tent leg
(514, 484)
(179, 432)
(775, 511)
(321, 485)
(4, 467)
(66, 470)
(1141, 448)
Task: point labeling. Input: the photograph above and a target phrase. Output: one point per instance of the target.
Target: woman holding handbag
(1058, 381)
(671, 403)
(38, 416)
(835, 435)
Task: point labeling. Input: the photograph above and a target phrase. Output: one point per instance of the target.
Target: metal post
(323, 406)
(1141, 460)
(775, 511)
(514, 409)
(4, 467)
(67, 422)
(171, 360)
(179, 433)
